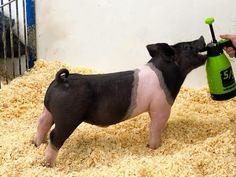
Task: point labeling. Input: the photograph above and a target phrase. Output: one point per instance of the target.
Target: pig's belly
(147, 92)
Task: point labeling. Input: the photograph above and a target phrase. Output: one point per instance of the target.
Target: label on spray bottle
(227, 78)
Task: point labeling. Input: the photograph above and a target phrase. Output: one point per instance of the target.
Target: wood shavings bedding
(199, 139)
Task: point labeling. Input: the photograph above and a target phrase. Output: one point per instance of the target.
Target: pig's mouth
(202, 56)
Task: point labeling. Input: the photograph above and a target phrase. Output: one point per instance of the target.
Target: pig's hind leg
(62, 130)
(45, 122)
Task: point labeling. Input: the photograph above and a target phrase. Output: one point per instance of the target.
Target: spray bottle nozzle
(209, 21)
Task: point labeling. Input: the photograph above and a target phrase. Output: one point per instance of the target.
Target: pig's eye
(188, 47)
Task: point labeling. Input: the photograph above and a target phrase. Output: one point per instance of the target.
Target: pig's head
(185, 55)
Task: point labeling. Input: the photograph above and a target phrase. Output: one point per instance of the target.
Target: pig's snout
(200, 45)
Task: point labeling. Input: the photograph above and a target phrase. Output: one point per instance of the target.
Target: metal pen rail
(7, 3)
(17, 45)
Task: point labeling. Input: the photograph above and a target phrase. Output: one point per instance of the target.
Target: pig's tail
(62, 75)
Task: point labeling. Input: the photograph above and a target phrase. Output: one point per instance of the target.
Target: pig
(107, 99)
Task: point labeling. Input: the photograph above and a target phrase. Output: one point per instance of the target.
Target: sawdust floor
(199, 139)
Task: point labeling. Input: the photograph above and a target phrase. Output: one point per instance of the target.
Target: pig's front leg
(45, 122)
(158, 123)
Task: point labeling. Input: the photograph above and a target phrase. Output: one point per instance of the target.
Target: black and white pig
(107, 99)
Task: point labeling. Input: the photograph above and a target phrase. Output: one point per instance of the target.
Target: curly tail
(62, 75)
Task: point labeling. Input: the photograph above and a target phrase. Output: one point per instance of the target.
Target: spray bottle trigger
(226, 43)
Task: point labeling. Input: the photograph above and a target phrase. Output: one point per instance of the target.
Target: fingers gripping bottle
(220, 75)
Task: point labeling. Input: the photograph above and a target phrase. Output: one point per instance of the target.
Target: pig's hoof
(152, 147)
(37, 143)
(47, 164)
(34, 143)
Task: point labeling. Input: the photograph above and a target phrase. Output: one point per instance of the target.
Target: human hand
(230, 50)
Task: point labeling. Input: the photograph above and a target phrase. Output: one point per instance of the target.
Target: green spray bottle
(220, 76)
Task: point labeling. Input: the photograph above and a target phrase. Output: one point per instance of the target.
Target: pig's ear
(160, 49)
(152, 49)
